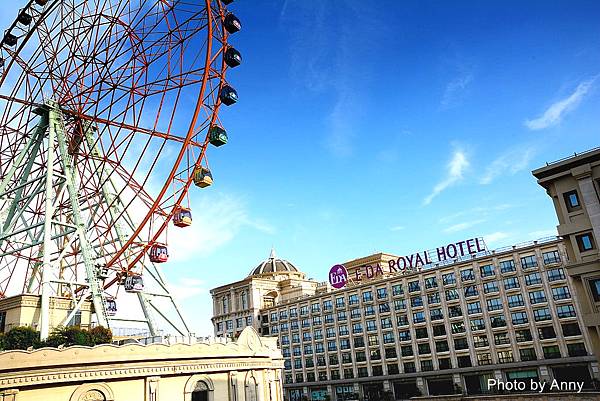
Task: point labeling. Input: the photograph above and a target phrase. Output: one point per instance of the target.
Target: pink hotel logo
(338, 276)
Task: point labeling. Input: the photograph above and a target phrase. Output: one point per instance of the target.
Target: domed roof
(273, 265)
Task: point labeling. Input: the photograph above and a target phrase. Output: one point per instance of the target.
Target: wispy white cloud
(493, 239)
(510, 162)
(455, 89)
(482, 211)
(397, 228)
(454, 174)
(187, 287)
(462, 226)
(557, 110)
(543, 233)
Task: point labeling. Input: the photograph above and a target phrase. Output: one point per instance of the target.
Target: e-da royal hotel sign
(473, 247)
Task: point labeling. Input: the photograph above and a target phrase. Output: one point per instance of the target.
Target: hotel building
(447, 328)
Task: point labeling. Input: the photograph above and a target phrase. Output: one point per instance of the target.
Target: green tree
(21, 338)
(2, 340)
(100, 335)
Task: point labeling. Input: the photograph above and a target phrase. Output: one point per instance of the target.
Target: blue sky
(394, 127)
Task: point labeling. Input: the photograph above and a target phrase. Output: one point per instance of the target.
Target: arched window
(199, 388)
(225, 305)
(244, 297)
(251, 389)
(200, 392)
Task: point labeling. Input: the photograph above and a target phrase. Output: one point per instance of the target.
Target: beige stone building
(507, 314)
(246, 370)
(574, 186)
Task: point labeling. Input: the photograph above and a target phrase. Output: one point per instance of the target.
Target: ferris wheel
(107, 110)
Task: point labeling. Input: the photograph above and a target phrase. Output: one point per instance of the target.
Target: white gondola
(134, 284)
(111, 307)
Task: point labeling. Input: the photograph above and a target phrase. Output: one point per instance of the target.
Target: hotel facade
(445, 328)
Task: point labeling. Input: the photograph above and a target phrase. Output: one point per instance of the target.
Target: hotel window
(556, 274)
(418, 317)
(330, 332)
(317, 320)
(497, 321)
(444, 363)
(285, 352)
(283, 314)
(369, 310)
(306, 323)
(346, 357)
(421, 333)
(340, 302)
(390, 353)
(373, 340)
(439, 330)
(519, 318)
(528, 262)
(342, 316)
(225, 305)
(527, 354)
(388, 337)
(357, 328)
(375, 354)
(546, 332)
(424, 349)
(427, 366)
(404, 335)
(304, 310)
(392, 369)
(359, 342)
(400, 304)
(539, 315)
(219, 325)
(294, 324)
(293, 312)
(511, 282)
(477, 324)
(559, 293)
(345, 392)
(288, 378)
(505, 357)
(484, 359)
(494, 304)
(533, 279)
(321, 359)
(331, 346)
(344, 343)
(397, 290)
(430, 282)
(406, 350)
(382, 293)
(585, 242)
(287, 364)
(572, 200)
(384, 307)
(355, 313)
(436, 314)
(433, 298)
(449, 278)
(333, 359)
(371, 325)
(576, 349)
(480, 340)
(515, 300)
(352, 299)
(416, 302)
(490, 287)
(454, 311)
(487, 270)
(274, 329)
(310, 376)
(460, 343)
(536, 297)
(319, 348)
(315, 308)
(441, 346)
(402, 320)
(523, 335)
(457, 327)
(474, 307)
(409, 367)
(571, 329)
(273, 316)
(464, 361)
(348, 374)
(343, 330)
(551, 257)
(284, 326)
(386, 323)
(363, 372)
(327, 305)
(467, 275)
(323, 376)
(565, 311)
(295, 338)
(308, 350)
(414, 286)
(367, 296)
(451, 295)
(318, 334)
(298, 363)
(229, 324)
(306, 336)
(471, 291)
(285, 340)
(501, 338)
(507, 266)
(551, 352)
